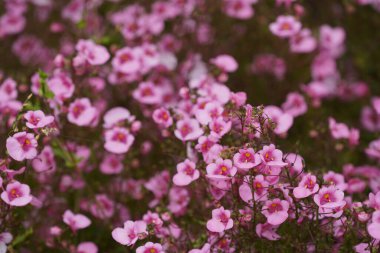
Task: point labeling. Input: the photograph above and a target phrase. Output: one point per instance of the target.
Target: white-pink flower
(246, 159)
(118, 140)
(285, 26)
(188, 129)
(276, 211)
(81, 112)
(306, 187)
(92, 53)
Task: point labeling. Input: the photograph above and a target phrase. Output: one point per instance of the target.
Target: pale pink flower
(306, 187)
(276, 211)
(126, 61)
(16, 194)
(147, 93)
(295, 104)
(76, 221)
(338, 130)
(225, 62)
(374, 227)
(179, 200)
(162, 117)
(45, 161)
(220, 127)
(259, 187)
(37, 119)
(246, 159)
(209, 112)
(267, 231)
(112, 164)
(282, 119)
(103, 207)
(188, 129)
(332, 40)
(373, 150)
(221, 220)
(240, 9)
(22, 146)
(303, 42)
(329, 197)
(336, 179)
(116, 116)
(81, 112)
(204, 249)
(220, 173)
(150, 247)
(118, 140)
(8, 90)
(285, 26)
(62, 86)
(92, 53)
(130, 233)
(271, 156)
(186, 173)
(87, 247)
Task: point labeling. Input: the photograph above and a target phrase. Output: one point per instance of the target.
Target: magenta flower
(246, 159)
(285, 26)
(44, 162)
(276, 211)
(22, 146)
(150, 247)
(118, 140)
(188, 130)
(220, 173)
(306, 187)
(92, 53)
(221, 220)
(37, 119)
(259, 188)
(329, 197)
(81, 112)
(76, 221)
(126, 61)
(87, 247)
(130, 233)
(162, 117)
(186, 173)
(16, 194)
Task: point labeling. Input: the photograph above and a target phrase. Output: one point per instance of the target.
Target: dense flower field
(197, 126)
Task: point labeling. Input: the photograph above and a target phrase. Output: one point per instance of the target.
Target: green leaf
(21, 238)
(44, 89)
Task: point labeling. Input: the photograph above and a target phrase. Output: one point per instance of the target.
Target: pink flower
(8, 90)
(116, 116)
(150, 247)
(44, 162)
(295, 104)
(22, 146)
(285, 26)
(332, 40)
(225, 62)
(126, 61)
(221, 220)
(303, 42)
(147, 93)
(240, 9)
(186, 173)
(92, 53)
(306, 187)
(81, 112)
(374, 227)
(271, 156)
(188, 129)
(130, 233)
(335, 179)
(87, 247)
(246, 159)
(373, 151)
(329, 197)
(220, 127)
(118, 140)
(162, 117)
(16, 194)
(282, 119)
(267, 231)
(208, 112)
(204, 249)
(76, 221)
(37, 119)
(112, 164)
(374, 200)
(338, 130)
(220, 173)
(103, 207)
(62, 86)
(276, 211)
(259, 187)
